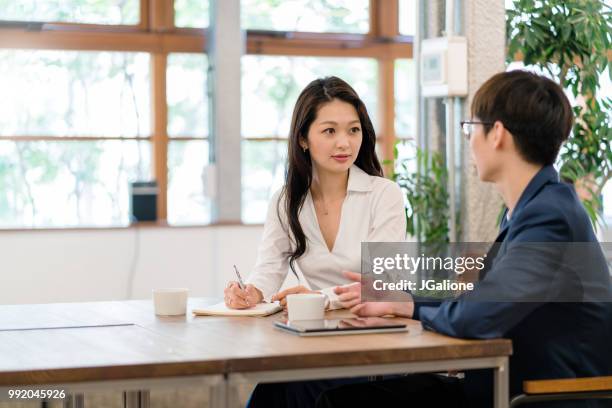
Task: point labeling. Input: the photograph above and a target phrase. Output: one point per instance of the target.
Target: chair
(564, 390)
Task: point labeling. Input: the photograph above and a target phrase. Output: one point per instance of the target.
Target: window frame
(157, 35)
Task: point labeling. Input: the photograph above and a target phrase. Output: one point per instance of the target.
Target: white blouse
(372, 211)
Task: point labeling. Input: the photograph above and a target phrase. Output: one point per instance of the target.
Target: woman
(334, 198)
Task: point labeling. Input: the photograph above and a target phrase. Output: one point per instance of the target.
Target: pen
(240, 282)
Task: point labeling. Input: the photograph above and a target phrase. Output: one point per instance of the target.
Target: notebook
(219, 309)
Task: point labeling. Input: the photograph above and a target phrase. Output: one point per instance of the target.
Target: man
(519, 122)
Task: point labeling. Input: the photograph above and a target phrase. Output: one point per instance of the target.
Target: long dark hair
(299, 168)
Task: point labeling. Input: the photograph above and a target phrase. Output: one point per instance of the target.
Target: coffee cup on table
(306, 306)
(170, 302)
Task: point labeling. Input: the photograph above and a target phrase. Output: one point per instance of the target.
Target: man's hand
(349, 295)
(236, 298)
(350, 298)
(282, 295)
(375, 309)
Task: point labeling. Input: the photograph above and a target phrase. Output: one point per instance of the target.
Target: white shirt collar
(358, 180)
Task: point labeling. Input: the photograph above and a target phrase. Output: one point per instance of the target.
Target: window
(407, 17)
(339, 16)
(405, 108)
(186, 90)
(62, 179)
(405, 98)
(271, 85)
(188, 202)
(69, 183)
(263, 170)
(72, 11)
(108, 92)
(191, 13)
(74, 93)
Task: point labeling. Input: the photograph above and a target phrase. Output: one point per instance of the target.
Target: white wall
(83, 265)
(86, 265)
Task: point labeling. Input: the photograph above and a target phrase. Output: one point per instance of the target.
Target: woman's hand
(282, 295)
(236, 298)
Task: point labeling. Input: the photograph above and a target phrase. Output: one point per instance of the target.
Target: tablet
(353, 325)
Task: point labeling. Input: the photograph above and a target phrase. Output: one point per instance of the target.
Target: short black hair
(532, 107)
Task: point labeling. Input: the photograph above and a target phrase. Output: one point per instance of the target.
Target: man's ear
(500, 134)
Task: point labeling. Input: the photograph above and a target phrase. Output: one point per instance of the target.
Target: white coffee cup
(306, 306)
(170, 302)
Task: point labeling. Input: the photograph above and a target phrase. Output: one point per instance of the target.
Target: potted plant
(425, 187)
(570, 40)
(424, 181)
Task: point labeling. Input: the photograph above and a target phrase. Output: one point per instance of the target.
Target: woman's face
(334, 137)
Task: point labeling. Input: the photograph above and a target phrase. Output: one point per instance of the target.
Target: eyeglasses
(468, 127)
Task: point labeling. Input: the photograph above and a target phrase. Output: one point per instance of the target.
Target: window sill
(140, 225)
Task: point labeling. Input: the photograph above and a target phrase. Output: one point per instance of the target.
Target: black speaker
(143, 201)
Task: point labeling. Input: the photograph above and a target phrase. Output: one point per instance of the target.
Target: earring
(304, 148)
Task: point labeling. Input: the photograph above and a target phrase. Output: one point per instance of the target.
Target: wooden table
(123, 345)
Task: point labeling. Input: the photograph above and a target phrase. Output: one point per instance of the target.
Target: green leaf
(575, 35)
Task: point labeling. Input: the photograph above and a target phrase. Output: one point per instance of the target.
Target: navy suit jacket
(550, 339)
